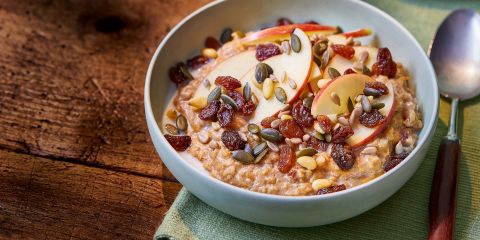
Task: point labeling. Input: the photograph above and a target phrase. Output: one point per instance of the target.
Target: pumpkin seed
(228, 100)
(319, 48)
(182, 123)
(295, 43)
(339, 29)
(318, 136)
(171, 129)
(350, 105)
(367, 107)
(253, 128)
(260, 156)
(214, 94)
(333, 73)
(280, 94)
(261, 72)
(247, 92)
(185, 72)
(371, 92)
(307, 102)
(306, 152)
(271, 135)
(259, 148)
(366, 71)
(248, 148)
(243, 156)
(378, 105)
(226, 35)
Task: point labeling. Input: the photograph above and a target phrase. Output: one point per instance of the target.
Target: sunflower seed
(273, 146)
(275, 123)
(369, 151)
(280, 94)
(295, 43)
(259, 148)
(319, 136)
(333, 73)
(181, 123)
(295, 140)
(286, 47)
(214, 94)
(243, 156)
(367, 107)
(260, 156)
(306, 137)
(247, 92)
(228, 100)
(292, 83)
(206, 83)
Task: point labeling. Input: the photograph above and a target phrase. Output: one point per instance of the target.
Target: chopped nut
(318, 128)
(209, 53)
(307, 162)
(320, 159)
(203, 137)
(369, 151)
(215, 126)
(172, 114)
(321, 183)
(198, 102)
(306, 137)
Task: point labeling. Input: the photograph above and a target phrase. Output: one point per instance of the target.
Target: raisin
(341, 134)
(385, 64)
(343, 156)
(382, 88)
(237, 97)
(302, 114)
(331, 189)
(265, 51)
(228, 82)
(248, 108)
(179, 143)
(225, 115)
(349, 71)
(210, 111)
(197, 61)
(266, 122)
(286, 159)
(325, 123)
(344, 50)
(232, 140)
(211, 42)
(290, 129)
(318, 145)
(393, 161)
(284, 21)
(371, 119)
(176, 74)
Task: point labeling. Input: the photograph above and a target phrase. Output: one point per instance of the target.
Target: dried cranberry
(248, 109)
(211, 42)
(385, 64)
(284, 21)
(343, 156)
(228, 82)
(266, 122)
(225, 115)
(179, 143)
(341, 134)
(319, 145)
(331, 189)
(290, 129)
(210, 111)
(382, 88)
(325, 123)
(265, 51)
(177, 75)
(393, 161)
(237, 97)
(344, 50)
(232, 140)
(302, 114)
(197, 61)
(286, 159)
(349, 71)
(371, 119)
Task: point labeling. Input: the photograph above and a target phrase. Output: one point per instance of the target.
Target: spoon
(455, 55)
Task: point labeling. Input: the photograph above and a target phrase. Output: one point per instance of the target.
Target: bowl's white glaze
(187, 37)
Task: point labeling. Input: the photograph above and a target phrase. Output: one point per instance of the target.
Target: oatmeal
(296, 109)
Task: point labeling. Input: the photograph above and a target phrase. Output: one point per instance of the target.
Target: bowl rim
(299, 199)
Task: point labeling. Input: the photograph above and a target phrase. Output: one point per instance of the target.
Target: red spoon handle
(444, 187)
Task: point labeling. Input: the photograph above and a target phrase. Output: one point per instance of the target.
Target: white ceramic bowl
(187, 38)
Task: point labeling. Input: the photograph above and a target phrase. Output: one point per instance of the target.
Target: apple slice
(341, 64)
(235, 66)
(315, 75)
(346, 86)
(341, 38)
(281, 33)
(297, 67)
(362, 135)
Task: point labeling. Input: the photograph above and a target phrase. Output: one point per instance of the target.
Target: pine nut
(198, 102)
(267, 89)
(321, 183)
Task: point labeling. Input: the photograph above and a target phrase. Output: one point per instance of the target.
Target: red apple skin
(320, 92)
(358, 33)
(379, 129)
(286, 29)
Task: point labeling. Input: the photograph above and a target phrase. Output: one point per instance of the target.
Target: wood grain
(76, 161)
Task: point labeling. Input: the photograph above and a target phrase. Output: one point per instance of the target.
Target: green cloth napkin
(405, 214)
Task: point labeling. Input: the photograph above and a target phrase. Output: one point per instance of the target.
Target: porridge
(295, 109)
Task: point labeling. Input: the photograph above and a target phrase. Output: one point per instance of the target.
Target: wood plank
(45, 199)
(72, 75)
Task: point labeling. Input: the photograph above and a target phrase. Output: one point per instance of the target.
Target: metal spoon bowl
(455, 55)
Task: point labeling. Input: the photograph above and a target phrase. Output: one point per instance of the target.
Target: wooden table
(76, 160)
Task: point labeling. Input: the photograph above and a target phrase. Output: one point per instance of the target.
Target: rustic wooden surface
(76, 161)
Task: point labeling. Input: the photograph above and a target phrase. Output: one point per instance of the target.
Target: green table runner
(404, 215)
